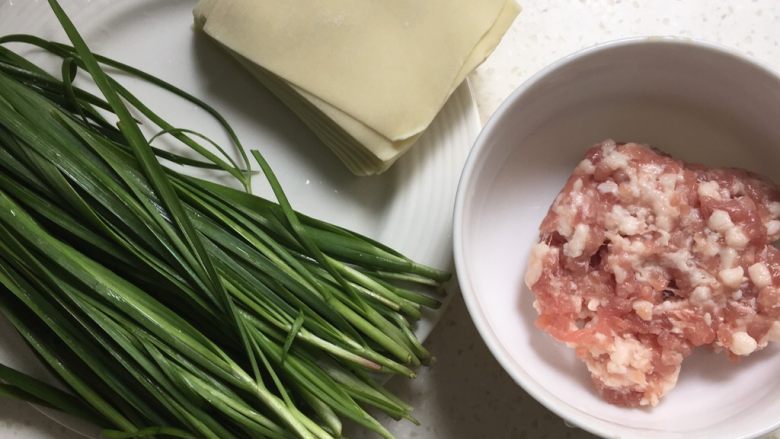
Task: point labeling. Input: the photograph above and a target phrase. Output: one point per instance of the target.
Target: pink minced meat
(642, 258)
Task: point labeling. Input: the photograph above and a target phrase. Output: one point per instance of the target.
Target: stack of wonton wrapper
(367, 76)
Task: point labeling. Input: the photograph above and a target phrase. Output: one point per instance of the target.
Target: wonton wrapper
(366, 76)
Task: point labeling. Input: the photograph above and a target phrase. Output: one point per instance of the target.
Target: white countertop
(548, 30)
(466, 394)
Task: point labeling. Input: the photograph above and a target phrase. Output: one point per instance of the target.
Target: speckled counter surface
(547, 30)
(466, 394)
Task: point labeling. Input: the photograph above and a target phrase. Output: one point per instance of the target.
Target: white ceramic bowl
(698, 102)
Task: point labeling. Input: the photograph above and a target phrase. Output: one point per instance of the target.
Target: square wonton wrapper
(366, 76)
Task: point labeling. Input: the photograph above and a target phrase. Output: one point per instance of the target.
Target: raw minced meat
(642, 258)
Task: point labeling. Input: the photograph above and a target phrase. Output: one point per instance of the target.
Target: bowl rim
(580, 418)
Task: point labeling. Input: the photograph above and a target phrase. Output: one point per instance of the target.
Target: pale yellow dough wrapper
(366, 76)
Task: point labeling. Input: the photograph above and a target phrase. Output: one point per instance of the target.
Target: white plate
(695, 101)
(408, 208)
